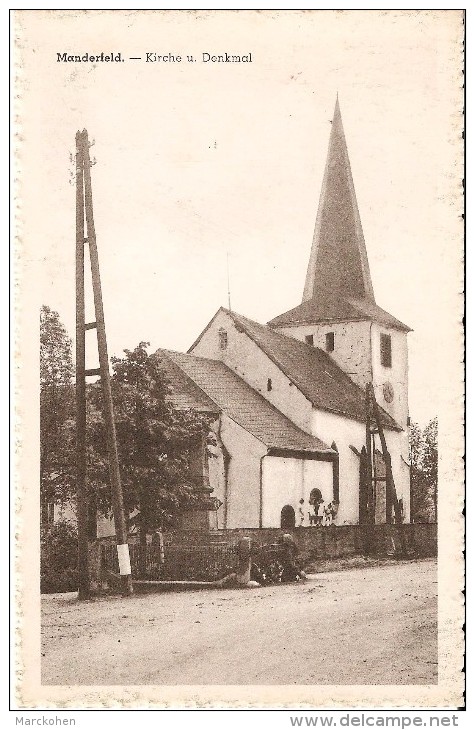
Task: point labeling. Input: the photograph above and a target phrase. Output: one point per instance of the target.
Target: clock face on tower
(388, 392)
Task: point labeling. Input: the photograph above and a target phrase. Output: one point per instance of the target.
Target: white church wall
(243, 489)
(398, 447)
(397, 374)
(319, 475)
(252, 365)
(352, 345)
(282, 483)
(208, 345)
(343, 431)
(243, 494)
(244, 357)
(286, 480)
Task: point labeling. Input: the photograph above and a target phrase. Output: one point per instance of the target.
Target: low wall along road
(201, 555)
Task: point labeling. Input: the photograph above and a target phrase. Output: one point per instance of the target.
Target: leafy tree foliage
(424, 454)
(56, 409)
(59, 557)
(159, 446)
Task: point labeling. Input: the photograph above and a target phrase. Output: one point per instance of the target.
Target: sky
(199, 162)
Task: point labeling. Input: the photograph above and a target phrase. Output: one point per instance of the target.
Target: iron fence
(175, 562)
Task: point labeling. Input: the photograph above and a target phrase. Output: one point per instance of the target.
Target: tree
(59, 557)
(157, 443)
(56, 409)
(424, 454)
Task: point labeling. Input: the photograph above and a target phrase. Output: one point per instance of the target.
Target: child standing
(319, 512)
(301, 513)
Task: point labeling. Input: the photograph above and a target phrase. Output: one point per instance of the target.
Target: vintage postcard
(239, 393)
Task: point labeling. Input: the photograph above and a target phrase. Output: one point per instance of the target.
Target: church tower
(338, 312)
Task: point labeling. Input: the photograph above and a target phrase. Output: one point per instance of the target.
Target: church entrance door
(287, 517)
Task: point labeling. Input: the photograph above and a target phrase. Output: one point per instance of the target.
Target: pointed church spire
(338, 265)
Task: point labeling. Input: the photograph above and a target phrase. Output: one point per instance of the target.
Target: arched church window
(315, 496)
(269, 384)
(223, 339)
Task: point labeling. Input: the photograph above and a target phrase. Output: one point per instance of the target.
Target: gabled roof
(227, 392)
(182, 390)
(338, 265)
(313, 372)
(321, 310)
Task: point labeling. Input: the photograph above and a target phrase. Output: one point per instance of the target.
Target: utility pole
(391, 494)
(84, 207)
(81, 493)
(371, 492)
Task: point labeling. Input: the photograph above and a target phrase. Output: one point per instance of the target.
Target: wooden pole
(363, 497)
(391, 487)
(82, 502)
(336, 474)
(117, 497)
(369, 468)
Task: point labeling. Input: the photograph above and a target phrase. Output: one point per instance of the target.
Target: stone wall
(314, 543)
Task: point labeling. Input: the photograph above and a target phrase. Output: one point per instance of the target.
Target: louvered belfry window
(386, 353)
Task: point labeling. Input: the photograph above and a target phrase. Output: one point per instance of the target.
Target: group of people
(323, 514)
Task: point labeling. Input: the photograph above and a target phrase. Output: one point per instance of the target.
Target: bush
(59, 558)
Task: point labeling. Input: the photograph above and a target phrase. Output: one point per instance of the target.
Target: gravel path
(374, 625)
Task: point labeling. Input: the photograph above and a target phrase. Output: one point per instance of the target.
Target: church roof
(338, 264)
(313, 371)
(222, 390)
(183, 392)
(338, 283)
(337, 310)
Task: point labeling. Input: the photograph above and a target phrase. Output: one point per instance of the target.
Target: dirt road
(365, 626)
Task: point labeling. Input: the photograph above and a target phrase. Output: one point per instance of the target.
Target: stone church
(287, 398)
